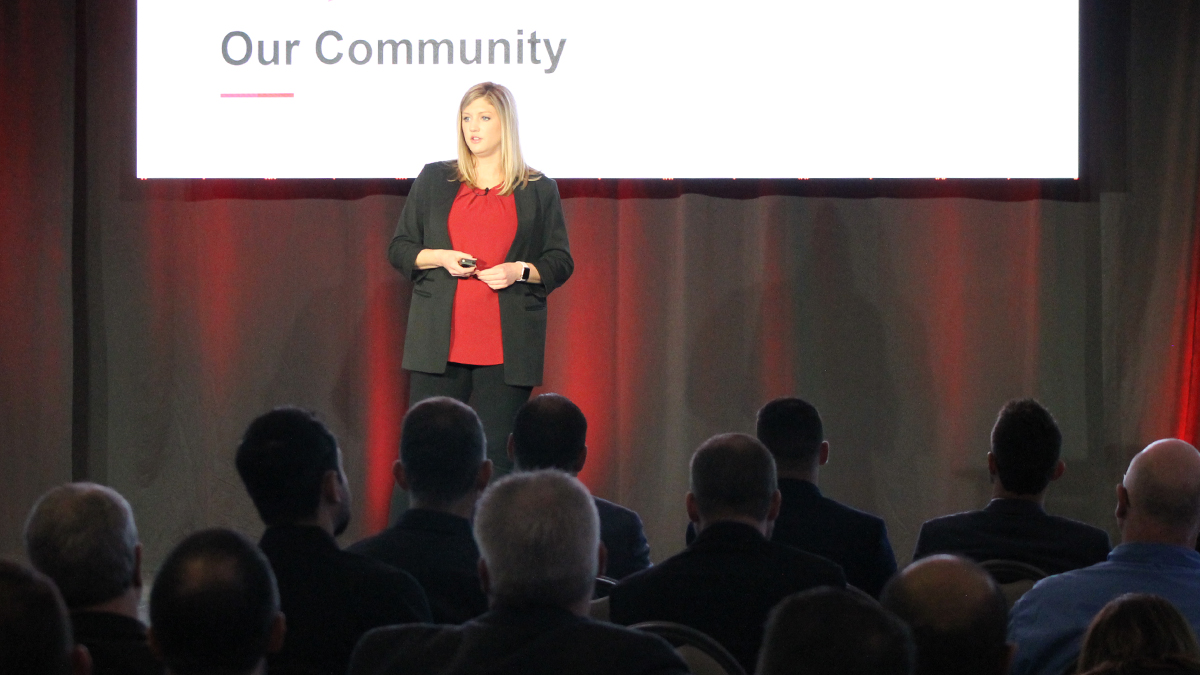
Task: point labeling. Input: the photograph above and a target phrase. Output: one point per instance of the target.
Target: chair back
(702, 654)
(603, 587)
(1015, 577)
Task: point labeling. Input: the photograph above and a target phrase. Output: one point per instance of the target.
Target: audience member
(444, 469)
(292, 468)
(792, 430)
(1158, 513)
(35, 633)
(828, 631)
(538, 535)
(214, 607)
(957, 614)
(1024, 460)
(550, 432)
(1142, 634)
(83, 537)
(727, 581)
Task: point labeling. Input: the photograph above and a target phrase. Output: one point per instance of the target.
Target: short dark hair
(282, 458)
(35, 631)
(733, 474)
(441, 448)
(830, 631)
(213, 604)
(548, 433)
(1026, 443)
(971, 639)
(791, 429)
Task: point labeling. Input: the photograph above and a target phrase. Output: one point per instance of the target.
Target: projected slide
(613, 89)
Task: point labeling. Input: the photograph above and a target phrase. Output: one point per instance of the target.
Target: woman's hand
(430, 258)
(502, 275)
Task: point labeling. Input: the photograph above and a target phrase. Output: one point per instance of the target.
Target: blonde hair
(516, 172)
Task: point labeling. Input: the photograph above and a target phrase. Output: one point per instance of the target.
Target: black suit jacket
(815, 523)
(116, 642)
(724, 584)
(541, 240)
(439, 550)
(1015, 529)
(623, 536)
(330, 598)
(527, 641)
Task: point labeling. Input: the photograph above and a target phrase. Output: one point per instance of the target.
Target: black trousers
(482, 388)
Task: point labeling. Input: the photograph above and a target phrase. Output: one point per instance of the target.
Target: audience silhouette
(1158, 513)
(727, 581)
(539, 537)
(292, 468)
(477, 579)
(444, 468)
(1024, 460)
(83, 537)
(550, 432)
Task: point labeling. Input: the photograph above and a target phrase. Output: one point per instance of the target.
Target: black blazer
(1015, 529)
(815, 523)
(622, 533)
(528, 641)
(541, 241)
(439, 550)
(331, 597)
(724, 585)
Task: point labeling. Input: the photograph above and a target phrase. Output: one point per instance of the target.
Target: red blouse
(482, 224)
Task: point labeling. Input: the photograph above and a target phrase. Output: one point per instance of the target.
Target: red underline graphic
(258, 95)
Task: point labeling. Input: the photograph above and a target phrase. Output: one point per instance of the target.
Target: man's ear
(137, 566)
(485, 581)
(580, 461)
(823, 453)
(992, 470)
(399, 475)
(1060, 468)
(773, 511)
(485, 475)
(511, 449)
(278, 632)
(601, 559)
(331, 487)
(81, 660)
(1122, 502)
(693, 510)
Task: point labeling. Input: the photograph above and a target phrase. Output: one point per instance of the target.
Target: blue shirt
(1047, 623)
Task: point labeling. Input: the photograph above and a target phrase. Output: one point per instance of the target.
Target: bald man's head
(957, 613)
(1159, 498)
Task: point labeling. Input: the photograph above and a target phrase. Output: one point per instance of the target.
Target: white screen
(625, 88)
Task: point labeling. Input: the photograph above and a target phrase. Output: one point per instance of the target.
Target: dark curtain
(907, 321)
(37, 61)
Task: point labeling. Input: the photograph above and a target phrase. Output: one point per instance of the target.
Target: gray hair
(82, 536)
(538, 533)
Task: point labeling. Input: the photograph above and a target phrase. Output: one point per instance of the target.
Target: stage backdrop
(908, 322)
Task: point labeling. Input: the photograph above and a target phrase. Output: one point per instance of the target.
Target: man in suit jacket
(727, 581)
(550, 432)
(792, 430)
(443, 468)
(82, 536)
(538, 536)
(292, 468)
(1026, 444)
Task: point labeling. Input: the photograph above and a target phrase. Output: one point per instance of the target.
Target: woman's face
(481, 128)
